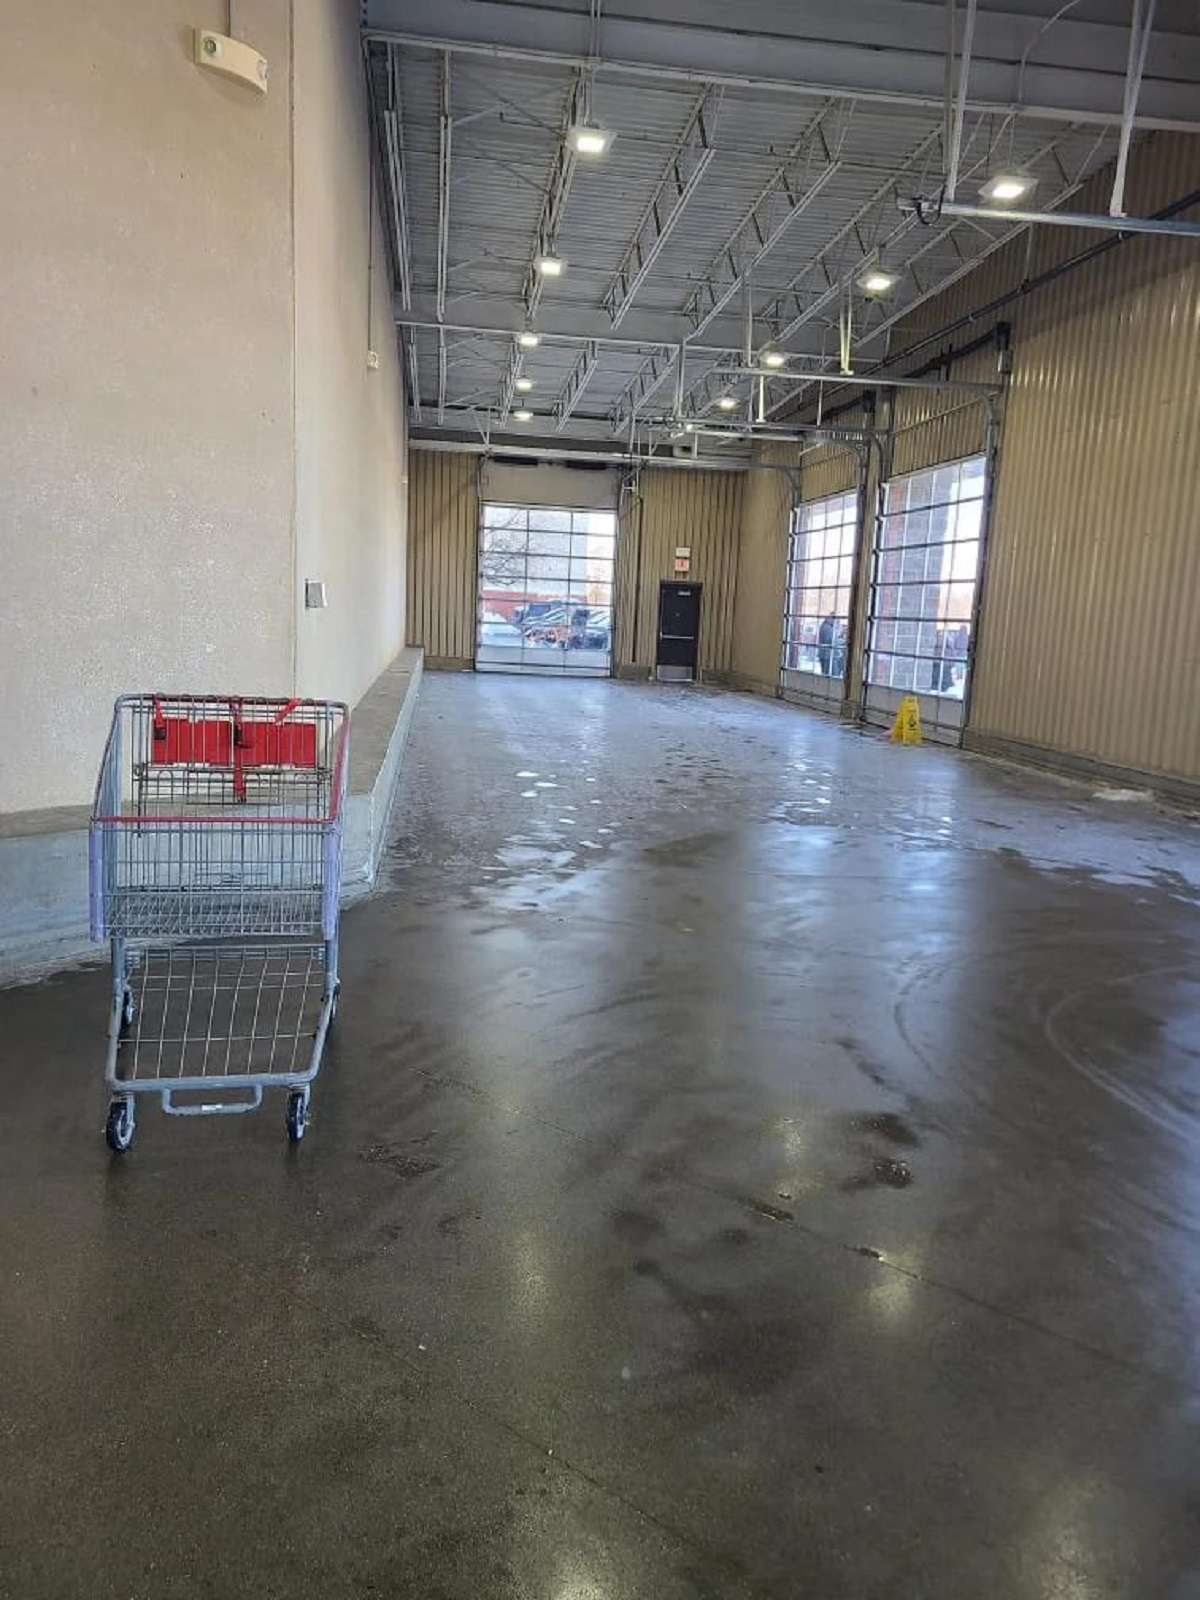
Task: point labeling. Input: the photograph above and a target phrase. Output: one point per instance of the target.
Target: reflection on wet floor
(763, 1164)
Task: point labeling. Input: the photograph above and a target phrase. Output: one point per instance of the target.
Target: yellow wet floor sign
(907, 727)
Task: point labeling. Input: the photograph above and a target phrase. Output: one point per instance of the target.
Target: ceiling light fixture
(877, 280)
(774, 359)
(727, 402)
(522, 415)
(524, 385)
(1006, 188)
(528, 340)
(586, 139)
(550, 265)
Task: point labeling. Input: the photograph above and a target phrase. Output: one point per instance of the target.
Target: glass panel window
(926, 568)
(545, 589)
(820, 574)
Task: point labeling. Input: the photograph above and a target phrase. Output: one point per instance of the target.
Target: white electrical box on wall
(315, 598)
(232, 58)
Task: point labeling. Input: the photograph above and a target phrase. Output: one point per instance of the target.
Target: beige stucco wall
(146, 455)
(351, 502)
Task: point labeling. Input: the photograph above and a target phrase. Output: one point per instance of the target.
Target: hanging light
(528, 340)
(550, 265)
(523, 385)
(1006, 188)
(774, 359)
(522, 415)
(878, 280)
(727, 402)
(586, 139)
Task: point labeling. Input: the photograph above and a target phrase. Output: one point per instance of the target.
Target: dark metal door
(678, 626)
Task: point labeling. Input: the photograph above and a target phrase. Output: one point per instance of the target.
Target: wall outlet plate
(373, 360)
(314, 596)
(231, 58)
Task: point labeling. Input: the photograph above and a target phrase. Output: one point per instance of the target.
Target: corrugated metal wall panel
(934, 426)
(762, 567)
(1089, 642)
(670, 508)
(443, 531)
(831, 468)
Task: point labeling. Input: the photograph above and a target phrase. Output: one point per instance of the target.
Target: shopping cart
(215, 860)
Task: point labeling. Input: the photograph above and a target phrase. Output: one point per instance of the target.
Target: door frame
(938, 728)
(534, 670)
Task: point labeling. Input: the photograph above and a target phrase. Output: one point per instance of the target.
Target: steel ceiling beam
(507, 388)
(786, 195)
(658, 366)
(685, 167)
(572, 391)
(441, 411)
(893, 51)
(849, 382)
(391, 140)
(942, 283)
(554, 200)
(571, 323)
(393, 135)
(445, 141)
(825, 266)
(414, 372)
(1169, 226)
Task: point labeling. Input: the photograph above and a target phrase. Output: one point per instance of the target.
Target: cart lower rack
(215, 866)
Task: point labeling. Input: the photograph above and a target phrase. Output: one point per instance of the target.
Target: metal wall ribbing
(666, 509)
(1089, 643)
(443, 532)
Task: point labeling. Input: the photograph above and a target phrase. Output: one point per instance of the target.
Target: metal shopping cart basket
(215, 862)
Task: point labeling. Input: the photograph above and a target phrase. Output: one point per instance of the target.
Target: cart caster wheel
(128, 1009)
(297, 1115)
(118, 1130)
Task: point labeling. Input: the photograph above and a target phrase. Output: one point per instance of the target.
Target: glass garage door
(928, 543)
(816, 622)
(544, 598)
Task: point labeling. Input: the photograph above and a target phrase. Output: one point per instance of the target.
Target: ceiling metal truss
(893, 54)
(572, 390)
(687, 165)
(658, 366)
(392, 153)
(554, 203)
(735, 211)
(792, 187)
(445, 146)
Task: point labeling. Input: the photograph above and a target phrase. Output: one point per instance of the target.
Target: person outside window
(826, 640)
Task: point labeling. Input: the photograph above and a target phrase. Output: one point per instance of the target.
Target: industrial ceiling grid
(799, 191)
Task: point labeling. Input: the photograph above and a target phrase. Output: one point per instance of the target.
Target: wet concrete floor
(752, 1161)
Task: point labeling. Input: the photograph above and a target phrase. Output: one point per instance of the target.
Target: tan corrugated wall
(831, 468)
(443, 533)
(929, 428)
(762, 568)
(1089, 642)
(673, 507)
